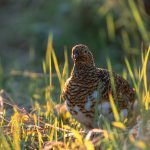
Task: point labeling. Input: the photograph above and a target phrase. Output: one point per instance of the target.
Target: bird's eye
(85, 51)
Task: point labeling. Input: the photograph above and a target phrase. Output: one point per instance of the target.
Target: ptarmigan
(89, 87)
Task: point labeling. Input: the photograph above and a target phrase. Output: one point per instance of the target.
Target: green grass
(44, 126)
(117, 32)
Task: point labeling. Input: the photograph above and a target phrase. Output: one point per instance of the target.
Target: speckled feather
(87, 83)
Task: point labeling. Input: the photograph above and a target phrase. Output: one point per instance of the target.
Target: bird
(88, 90)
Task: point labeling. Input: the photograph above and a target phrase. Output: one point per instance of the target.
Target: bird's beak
(75, 55)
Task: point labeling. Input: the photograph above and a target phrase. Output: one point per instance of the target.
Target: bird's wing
(122, 92)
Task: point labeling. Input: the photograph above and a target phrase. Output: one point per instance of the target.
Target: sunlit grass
(138, 19)
(32, 130)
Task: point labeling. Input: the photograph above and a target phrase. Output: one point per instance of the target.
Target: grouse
(89, 87)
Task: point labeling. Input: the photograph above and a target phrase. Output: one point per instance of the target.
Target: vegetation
(31, 116)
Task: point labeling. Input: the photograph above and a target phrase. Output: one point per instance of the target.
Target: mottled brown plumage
(89, 86)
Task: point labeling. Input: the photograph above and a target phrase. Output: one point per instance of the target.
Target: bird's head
(81, 54)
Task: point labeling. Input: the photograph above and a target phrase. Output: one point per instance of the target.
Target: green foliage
(25, 130)
(107, 27)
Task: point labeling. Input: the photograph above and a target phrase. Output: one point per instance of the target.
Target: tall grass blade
(56, 66)
(110, 27)
(144, 69)
(114, 108)
(138, 20)
(49, 58)
(119, 125)
(65, 69)
(131, 75)
(15, 128)
(147, 100)
(126, 41)
(111, 76)
(49, 50)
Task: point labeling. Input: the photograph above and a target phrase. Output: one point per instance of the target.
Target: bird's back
(121, 89)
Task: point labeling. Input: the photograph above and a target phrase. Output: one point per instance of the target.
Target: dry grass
(50, 126)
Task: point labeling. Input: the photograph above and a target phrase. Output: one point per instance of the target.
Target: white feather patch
(76, 108)
(88, 105)
(104, 108)
(95, 94)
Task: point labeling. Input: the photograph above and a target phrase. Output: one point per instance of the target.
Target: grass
(51, 126)
(31, 114)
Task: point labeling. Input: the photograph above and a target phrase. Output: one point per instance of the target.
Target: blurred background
(111, 28)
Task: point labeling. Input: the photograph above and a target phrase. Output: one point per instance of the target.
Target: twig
(57, 128)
